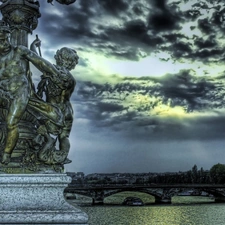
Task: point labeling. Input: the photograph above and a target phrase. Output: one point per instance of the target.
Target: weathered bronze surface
(30, 124)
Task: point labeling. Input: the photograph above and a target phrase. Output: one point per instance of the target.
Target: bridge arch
(113, 192)
(98, 195)
(119, 197)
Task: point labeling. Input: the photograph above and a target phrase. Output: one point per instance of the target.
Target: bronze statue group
(34, 119)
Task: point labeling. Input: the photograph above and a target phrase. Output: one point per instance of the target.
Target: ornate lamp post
(22, 17)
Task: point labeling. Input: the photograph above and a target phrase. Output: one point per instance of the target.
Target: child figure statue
(58, 90)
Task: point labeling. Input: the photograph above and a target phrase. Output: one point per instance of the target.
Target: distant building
(75, 176)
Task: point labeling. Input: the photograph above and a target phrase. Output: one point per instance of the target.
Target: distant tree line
(192, 176)
(216, 175)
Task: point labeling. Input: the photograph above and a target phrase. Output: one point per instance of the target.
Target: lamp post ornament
(30, 125)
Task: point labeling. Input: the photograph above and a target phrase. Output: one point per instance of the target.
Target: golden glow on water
(193, 214)
(183, 211)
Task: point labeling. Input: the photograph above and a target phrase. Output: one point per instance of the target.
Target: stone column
(22, 17)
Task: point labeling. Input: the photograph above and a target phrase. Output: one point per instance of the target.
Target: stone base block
(37, 199)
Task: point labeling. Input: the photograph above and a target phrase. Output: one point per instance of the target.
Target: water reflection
(183, 211)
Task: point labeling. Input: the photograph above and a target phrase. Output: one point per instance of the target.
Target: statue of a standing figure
(58, 90)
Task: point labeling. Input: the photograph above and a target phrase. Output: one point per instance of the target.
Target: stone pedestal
(37, 199)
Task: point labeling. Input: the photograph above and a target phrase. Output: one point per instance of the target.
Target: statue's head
(4, 38)
(67, 58)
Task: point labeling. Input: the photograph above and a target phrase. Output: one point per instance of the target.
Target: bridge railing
(126, 186)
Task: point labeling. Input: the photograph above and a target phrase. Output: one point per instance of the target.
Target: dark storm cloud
(189, 91)
(181, 50)
(181, 89)
(135, 33)
(112, 7)
(205, 26)
(163, 18)
(137, 9)
(144, 34)
(174, 37)
(210, 42)
(112, 105)
(109, 107)
(210, 21)
(148, 27)
(84, 24)
(192, 92)
(78, 26)
(210, 55)
(72, 25)
(201, 50)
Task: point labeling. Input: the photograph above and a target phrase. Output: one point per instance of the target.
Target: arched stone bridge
(162, 193)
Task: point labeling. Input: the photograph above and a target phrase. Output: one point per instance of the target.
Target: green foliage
(217, 173)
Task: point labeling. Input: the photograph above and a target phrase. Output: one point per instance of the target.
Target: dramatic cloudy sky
(150, 82)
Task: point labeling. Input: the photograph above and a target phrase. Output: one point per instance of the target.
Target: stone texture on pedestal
(37, 199)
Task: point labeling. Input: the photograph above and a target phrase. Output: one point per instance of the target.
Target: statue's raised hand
(36, 44)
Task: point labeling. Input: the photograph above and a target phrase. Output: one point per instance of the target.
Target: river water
(183, 210)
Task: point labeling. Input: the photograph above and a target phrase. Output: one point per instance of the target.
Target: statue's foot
(6, 158)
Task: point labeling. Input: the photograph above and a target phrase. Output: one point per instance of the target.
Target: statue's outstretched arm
(39, 62)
